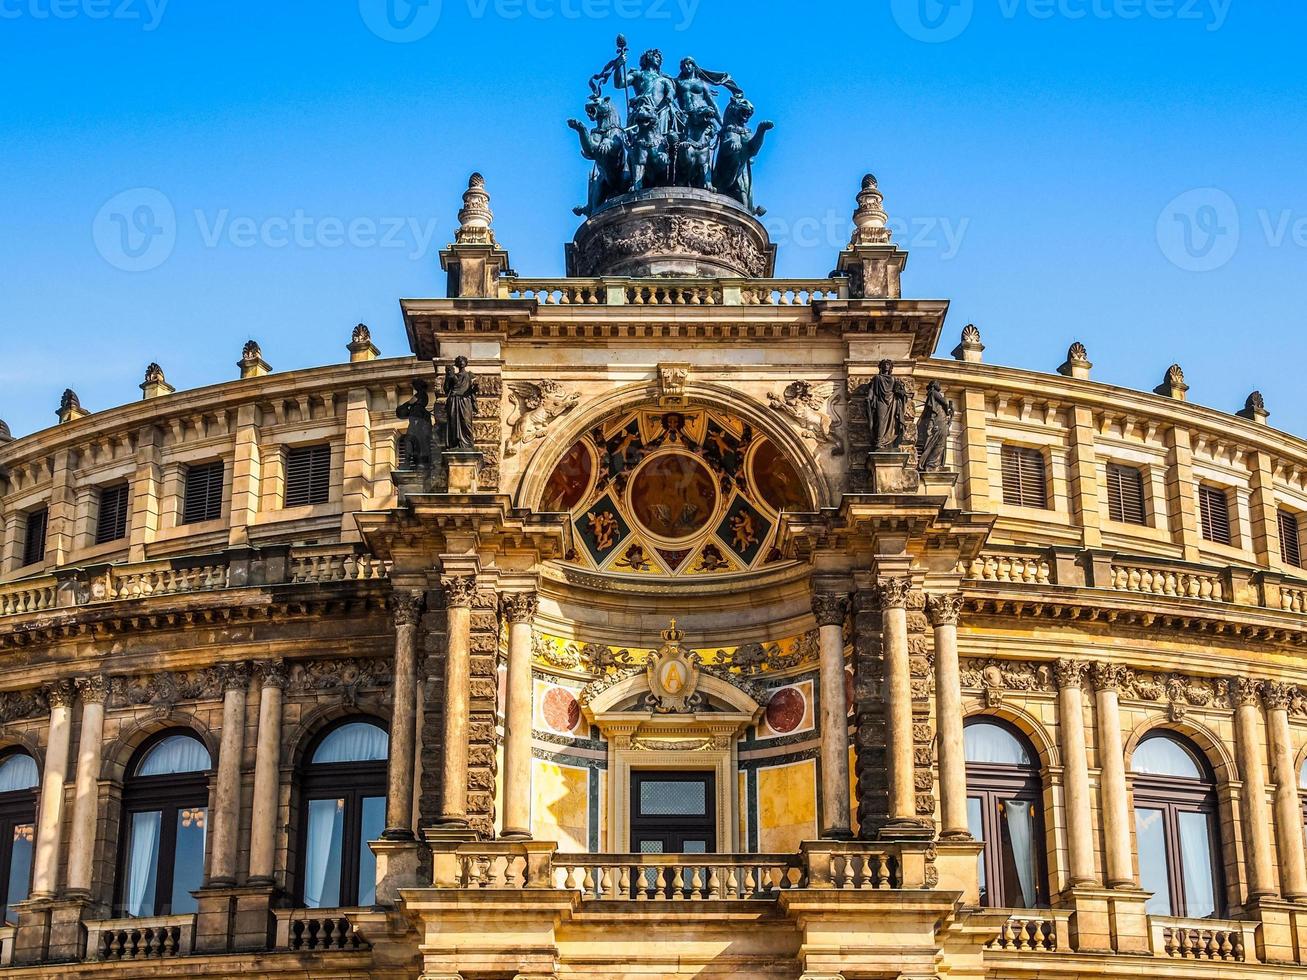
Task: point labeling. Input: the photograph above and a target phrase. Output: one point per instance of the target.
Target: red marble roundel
(561, 710)
(785, 710)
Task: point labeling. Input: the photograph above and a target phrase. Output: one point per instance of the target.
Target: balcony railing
(673, 292)
(1202, 939)
(317, 929)
(1046, 931)
(155, 938)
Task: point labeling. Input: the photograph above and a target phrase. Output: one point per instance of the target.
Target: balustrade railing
(163, 578)
(1175, 582)
(331, 563)
(673, 292)
(155, 938)
(28, 596)
(317, 929)
(1017, 569)
(1201, 939)
(1043, 932)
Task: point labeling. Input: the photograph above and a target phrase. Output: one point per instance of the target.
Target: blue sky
(1123, 172)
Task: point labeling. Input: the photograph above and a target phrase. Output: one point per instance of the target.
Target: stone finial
(5, 434)
(155, 384)
(1077, 362)
(361, 347)
(1173, 385)
(252, 364)
(475, 217)
(1254, 409)
(70, 407)
(870, 222)
(970, 349)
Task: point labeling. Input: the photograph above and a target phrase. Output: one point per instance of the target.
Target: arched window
(165, 816)
(343, 785)
(18, 782)
(1175, 828)
(1005, 812)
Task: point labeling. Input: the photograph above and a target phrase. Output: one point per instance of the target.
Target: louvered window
(1214, 514)
(1289, 548)
(1125, 494)
(308, 475)
(111, 522)
(203, 493)
(1025, 479)
(34, 543)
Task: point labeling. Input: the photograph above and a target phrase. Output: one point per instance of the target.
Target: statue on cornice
(415, 444)
(887, 400)
(933, 429)
(460, 406)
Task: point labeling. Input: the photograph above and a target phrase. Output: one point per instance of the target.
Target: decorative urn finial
(155, 384)
(1077, 362)
(361, 347)
(252, 364)
(70, 407)
(1173, 385)
(5, 434)
(1254, 409)
(870, 222)
(475, 216)
(970, 348)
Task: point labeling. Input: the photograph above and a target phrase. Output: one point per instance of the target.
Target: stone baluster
(1115, 798)
(1252, 771)
(831, 611)
(267, 771)
(86, 794)
(943, 610)
(1075, 771)
(407, 610)
(459, 593)
(519, 608)
(898, 702)
(1288, 805)
(235, 679)
(50, 812)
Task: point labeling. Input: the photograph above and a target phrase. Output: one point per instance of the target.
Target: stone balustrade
(1159, 580)
(164, 578)
(1203, 939)
(152, 938)
(673, 292)
(1044, 931)
(333, 563)
(1018, 569)
(317, 929)
(28, 596)
(7, 945)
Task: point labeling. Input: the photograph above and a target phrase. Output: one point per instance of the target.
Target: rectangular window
(308, 475)
(1214, 514)
(1290, 551)
(1125, 494)
(1025, 478)
(203, 493)
(34, 543)
(111, 523)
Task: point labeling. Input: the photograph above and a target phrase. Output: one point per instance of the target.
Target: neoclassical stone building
(678, 669)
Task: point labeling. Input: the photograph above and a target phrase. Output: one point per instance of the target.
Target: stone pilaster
(831, 612)
(519, 608)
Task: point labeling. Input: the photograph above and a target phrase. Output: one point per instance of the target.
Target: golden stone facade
(273, 705)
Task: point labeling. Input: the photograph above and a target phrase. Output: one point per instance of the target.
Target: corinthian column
(50, 813)
(898, 700)
(459, 593)
(943, 611)
(227, 804)
(1252, 771)
(407, 610)
(519, 608)
(86, 795)
(1288, 807)
(1075, 770)
(831, 611)
(267, 771)
(1114, 798)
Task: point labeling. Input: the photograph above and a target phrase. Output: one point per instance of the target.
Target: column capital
(894, 592)
(1276, 695)
(93, 689)
(943, 607)
(519, 607)
(1246, 691)
(272, 673)
(234, 677)
(830, 608)
(59, 694)
(406, 607)
(460, 590)
(1109, 677)
(1069, 673)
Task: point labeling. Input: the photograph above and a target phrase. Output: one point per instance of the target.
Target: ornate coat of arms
(673, 675)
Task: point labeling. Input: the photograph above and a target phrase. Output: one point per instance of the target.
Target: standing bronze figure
(415, 445)
(460, 406)
(887, 401)
(932, 430)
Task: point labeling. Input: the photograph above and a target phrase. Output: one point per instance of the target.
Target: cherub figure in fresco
(604, 528)
(743, 534)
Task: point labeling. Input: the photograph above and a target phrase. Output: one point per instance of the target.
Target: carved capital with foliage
(406, 607)
(1246, 691)
(830, 608)
(59, 694)
(460, 591)
(519, 607)
(92, 690)
(1069, 673)
(1110, 677)
(894, 592)
(234, 677)
(943, 607)
(272, 673)
(1277, 696)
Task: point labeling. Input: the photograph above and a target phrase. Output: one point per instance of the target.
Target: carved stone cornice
(460, 591)
(1109, 677)
(234, 677)
(894, 592)
(1277, 696)
(406, 607)
(1070, 673)
(943, 608)
(519, 607)
(272, 673)
(830, 608)
(93, 689)
(59, 694)
(1246, 691)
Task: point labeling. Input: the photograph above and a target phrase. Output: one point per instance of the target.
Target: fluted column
(459, 593)
(407, 610)
(898, 700)
(1075, 771)
(227, 798)
(1252, 772)
(943, 610)
(831, 610)
(86, 794)
(1288, 806)
(519, 608)
(50, 813)
(267, 771)
(1113, 794)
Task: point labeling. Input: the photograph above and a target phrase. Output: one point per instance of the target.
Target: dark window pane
(325, 848)
(1290, 550)
(308, 475)
(976, 824)
(188, 865)
(1214, 514)
(1025, 478)
(111, 522)
(142, 863)
(204, 485)
(34, 543)
(20, 870)
(658, 798)
(372, 824)
(1150, 838)
(1125, 494)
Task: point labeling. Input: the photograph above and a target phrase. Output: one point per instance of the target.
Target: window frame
(120, 517)
(169, 793)
(1021, 455)
(17, 809)
(313, 494)
(349, 781)
(32, 555)
(208, 513)
(1289, 524)
(1117, 509)
(1208, 526)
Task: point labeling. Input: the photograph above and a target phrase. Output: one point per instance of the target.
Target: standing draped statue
(460, 406)
(415, 445)
(887, 401)
(932, 430)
